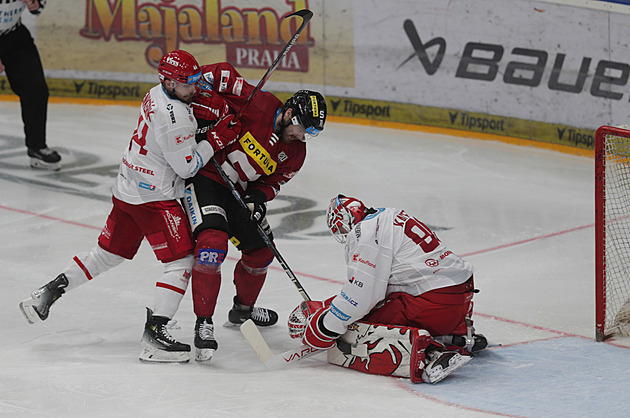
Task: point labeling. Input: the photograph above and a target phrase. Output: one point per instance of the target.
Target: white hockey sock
(87, 265)
(171, 287)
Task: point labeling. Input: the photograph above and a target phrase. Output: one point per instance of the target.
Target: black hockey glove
(256, 207)
(203, 126)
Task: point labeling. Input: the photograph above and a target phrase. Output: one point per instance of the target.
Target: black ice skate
(442, 363)
(158, 346)
(37, 307)
(473, 344)
(239, 313)
(44, 158)
(205, 343)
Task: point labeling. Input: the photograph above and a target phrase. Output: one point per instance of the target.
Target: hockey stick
(262, 233)
(306, 16)
(277, 361)
(274, 361)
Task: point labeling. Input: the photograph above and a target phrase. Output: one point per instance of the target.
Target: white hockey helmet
(343, 214)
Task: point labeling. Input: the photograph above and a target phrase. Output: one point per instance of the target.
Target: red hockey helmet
(180, 66)
(343, 214)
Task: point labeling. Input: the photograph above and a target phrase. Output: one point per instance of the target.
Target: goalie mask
(343, 214)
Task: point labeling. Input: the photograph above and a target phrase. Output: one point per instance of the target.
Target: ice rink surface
(523, 216)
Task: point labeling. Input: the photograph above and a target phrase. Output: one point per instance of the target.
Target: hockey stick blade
(256, 341)
(273, 361)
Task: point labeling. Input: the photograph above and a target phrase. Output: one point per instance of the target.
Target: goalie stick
(287, 358)
(306, 16)
(274, 361)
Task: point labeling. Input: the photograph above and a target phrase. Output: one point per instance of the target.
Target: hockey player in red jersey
(270, 150)
(162, 152)
(407, 300)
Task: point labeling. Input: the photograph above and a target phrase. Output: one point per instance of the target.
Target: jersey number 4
(140, 137)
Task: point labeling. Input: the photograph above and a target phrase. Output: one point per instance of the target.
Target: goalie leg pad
(376, 349)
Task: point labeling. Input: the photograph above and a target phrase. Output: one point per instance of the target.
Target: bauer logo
(210, 256)
(530, 68)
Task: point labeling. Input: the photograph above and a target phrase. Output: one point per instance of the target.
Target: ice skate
(158, 346)
(473, 344)
(44, 158)
(205, 343)
(239, 313)
(37, 307)
(441, 364)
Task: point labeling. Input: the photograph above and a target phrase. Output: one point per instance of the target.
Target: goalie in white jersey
(163, 151)
(406, 307)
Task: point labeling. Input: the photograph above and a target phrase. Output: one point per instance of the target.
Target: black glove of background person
(256, 208)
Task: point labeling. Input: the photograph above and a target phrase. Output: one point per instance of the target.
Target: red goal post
(612, 232)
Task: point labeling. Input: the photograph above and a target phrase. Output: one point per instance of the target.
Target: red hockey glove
(224, 133)
(207, 106)
(297, 318)
(316, 334)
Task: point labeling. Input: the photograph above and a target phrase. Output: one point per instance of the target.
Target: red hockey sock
(210, 252)
(250, 274)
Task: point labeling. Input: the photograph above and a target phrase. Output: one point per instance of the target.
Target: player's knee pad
(256, 262)
(210, 250)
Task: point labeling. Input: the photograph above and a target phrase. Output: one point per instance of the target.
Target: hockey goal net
(612, 232)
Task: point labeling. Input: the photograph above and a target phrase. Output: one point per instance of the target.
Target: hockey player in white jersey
(406, 307)
(163, 151)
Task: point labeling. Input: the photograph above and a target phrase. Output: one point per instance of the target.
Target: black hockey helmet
(309, 111)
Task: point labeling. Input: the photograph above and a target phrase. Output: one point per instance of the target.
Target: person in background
(163, 151)
(20, 60)
(404, 289)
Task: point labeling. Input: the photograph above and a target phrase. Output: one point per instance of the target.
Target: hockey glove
(224, 133)
(297, 319)
(256, 207)
(209, 107)
(316, 335)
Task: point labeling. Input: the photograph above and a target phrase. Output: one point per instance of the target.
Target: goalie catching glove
(306, 322)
